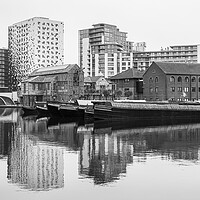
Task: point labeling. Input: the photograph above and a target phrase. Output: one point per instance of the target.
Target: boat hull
(53, 110)
(42, 111)
(71, 111)
(26, 111)
(146, 111)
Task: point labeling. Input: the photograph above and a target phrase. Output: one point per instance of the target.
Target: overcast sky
(159, 23)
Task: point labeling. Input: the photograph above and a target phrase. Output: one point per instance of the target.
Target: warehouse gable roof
(128, 74)
(179, 68)
(53, 70)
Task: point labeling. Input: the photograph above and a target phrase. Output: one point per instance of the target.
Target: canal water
(47, 159)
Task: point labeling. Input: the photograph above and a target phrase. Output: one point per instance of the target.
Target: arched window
(199, 79)
(186, 79)
(193, 79)
(179, 79)
(150, 80)
(172, 79)
(156, 79)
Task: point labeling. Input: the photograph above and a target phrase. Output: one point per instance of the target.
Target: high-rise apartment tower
(4, 71)
(32, 44)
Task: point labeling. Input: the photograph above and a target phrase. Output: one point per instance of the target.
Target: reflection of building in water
(104, 157)
(5, 130)
(172, 142)
(66, 135)
(62, 134)
(8, 119)
(33, 165)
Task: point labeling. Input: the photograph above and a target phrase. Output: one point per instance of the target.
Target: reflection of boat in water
(138, 123)
(52, 121)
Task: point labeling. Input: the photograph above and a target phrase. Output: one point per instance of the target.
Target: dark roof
(178, 68)
(53, 70)
(130, 73)
(92, 79)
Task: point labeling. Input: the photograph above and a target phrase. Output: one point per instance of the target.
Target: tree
(128, 93)
(118, 93)
(106, 93)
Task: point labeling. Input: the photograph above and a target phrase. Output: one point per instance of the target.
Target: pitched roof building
(172, 81)
(129, 80)
(60, 83)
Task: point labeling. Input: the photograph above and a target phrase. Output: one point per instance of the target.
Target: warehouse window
(156, 79)
(186, 79)
(172, 79)
(179, 79)
(193, 79)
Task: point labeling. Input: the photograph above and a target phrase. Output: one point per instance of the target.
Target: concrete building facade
(33, 44)
(178, 53)
(99, 49)
(4, 71)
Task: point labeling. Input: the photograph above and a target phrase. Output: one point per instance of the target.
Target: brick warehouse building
(60, 83)
(129, 80)
(172, 81)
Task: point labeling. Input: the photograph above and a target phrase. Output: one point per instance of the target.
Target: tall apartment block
(34, 43)
(99, 49)
(143, 59)
(4, 71)
(178, 53)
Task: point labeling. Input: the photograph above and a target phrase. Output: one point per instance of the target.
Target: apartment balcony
(96, 30)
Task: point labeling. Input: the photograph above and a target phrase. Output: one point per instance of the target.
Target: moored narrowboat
(120, 110)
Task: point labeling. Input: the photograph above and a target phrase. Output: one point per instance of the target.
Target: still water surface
(43, 159)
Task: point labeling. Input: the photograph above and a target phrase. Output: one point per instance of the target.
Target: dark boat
(156, 111)
(42, 111)
(82, 109)
(71, 111)
(27, 110)
(53, 109)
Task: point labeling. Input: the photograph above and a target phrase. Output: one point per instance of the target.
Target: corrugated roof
(41, 79)
(179, 68)
(130, 73)
(53, 70)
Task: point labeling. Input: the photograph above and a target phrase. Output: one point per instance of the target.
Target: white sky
(159, 23)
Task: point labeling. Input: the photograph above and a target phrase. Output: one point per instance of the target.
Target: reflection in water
(106, 154)
(34, 164)
(36, 149)
(8, 119)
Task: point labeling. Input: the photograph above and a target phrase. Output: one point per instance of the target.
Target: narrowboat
(42, 111)
(27, 110)
(144, 110)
